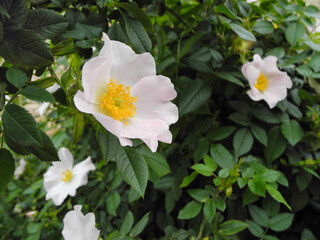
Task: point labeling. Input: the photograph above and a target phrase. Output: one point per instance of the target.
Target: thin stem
(14, 96)
(180, 18)
(201, 229)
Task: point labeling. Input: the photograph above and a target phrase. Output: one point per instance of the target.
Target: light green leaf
(37, 94)
(281, 222)
(191, 210)
(314, 46)
(210, 163)
(199, 194)
(133, 168)
(242, 141)
(242, 32)
(222, 156)
(294, 33)
(257, 187)
(20, 126)
(275, 194)
(202, 169)
(188, 179)
(127, 223)
(292, 131)
(7, 167)
(263, 27)
(232, 227)
(113, 202)
(16, 77)
(209, 210)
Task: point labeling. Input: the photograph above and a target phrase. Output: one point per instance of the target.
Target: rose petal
(83, 105)
(65, 157)
(154, 95)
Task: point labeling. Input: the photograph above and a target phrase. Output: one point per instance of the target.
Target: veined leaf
(191, 210)
(7, 167)
(221, 156)
(276, 144)
(133, 168)
(140, 226)
(16, 77)
(294, 33)
(109, 144)
(232, 227)
(37, 94)
(17, 11)
(242, 32)
(275, 194)
(242, 141)
(292, 131)
(20, 126)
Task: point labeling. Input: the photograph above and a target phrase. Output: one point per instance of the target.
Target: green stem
(201, 229)
(14, 96)
(181, 19)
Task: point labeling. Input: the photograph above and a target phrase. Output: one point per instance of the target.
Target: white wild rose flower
(78, 226)
(20, 168)
(122, 91)
(267, 82)
(63, 179)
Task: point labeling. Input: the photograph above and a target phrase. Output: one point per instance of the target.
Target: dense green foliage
(236, 169)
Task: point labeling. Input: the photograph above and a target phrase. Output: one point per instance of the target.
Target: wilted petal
(78, 226)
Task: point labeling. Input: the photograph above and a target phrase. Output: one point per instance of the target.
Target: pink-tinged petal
(251, 73)
(147, 130)
(78, 226)
(83, 105)
(281, 79)
(106, 50)
(65, 157)
(254, 96)
(274, 94)
(125, 142)
(154, 95)
(109, 123)
(257, 61)
(95, 77)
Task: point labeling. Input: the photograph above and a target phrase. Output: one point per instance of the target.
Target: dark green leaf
(307, 235)
(89, 31)
(257, 187)
(25, 49)
(202, 169)
(275, 194)
(242, 32)
(155, 160)
(255, 229)
(188, 179)
(242, 141)
(292, 131)
(109, 144)
(191, 210)
(259, 133)
(20, 126)
(112, 203)
(137, 13)
(78, 127)
(199, 194)
(240, 118)
(47, 152)
(259, 216)
(189, 43)
(225, 10)
(281, 222)
(294, 33)
(47, 23)
(276, 144)
(263, 27)
(221, 156)
(209, 210)
(220, 133)
(140, 226)
(17, 11)
(232, 227)
(201, 149)
(127, 223)
(227, 76)
(16, 77)
(133, 168)
(193, 96)
(37, 94)
(7, 167)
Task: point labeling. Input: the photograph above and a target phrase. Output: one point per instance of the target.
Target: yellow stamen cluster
(262, 82)
(66, 175)
(117, 102)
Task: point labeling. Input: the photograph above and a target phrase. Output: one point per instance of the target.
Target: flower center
(66, 175)
(262, 82)
(117, 102)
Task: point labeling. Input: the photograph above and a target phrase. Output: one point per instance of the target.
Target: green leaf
(191, 41)
(222, 156)
(89, 31)
(259, 216)
(225, 10)
(303, 180)
(249, 197)
(155, 160)
(240, 118)
(17, 11)
(202, 169)
(78, 127)
(264, 114)
(263, 27)
(37, 94)
(315, 62)
(210, 163)
(227, 76)
(47, 23)
(188, 179)
(275, 194)
(269, 175)
(307, 235)
(127, 223)
(259, 133)
(191, 210)
(199, 194)
(232, 227)
(257, 187)
(220, 203)
(4, 12)
(242, 32)
(255, 229)
(209, 210)
(276, 144)
(137, 35)
(16, 77)
(220, 133)
(140, 226)
(7, 167)
(109, 144)
(133, 168)
(193, 96)
(292, 131)
(137, 13)
(314, 46)
(242, 141)
(294, 33)
(281, 222)
(20, 126)
(22, 150)
(47, 152)
(25, 49)
(201, 149)
(113, 202)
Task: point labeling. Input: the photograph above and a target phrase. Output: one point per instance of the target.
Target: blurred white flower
(267, 82)
(78, 226)
(20, 168)
(41, 110)
(251, 1)
(31, 214)
(63, 179)
(123, 92)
